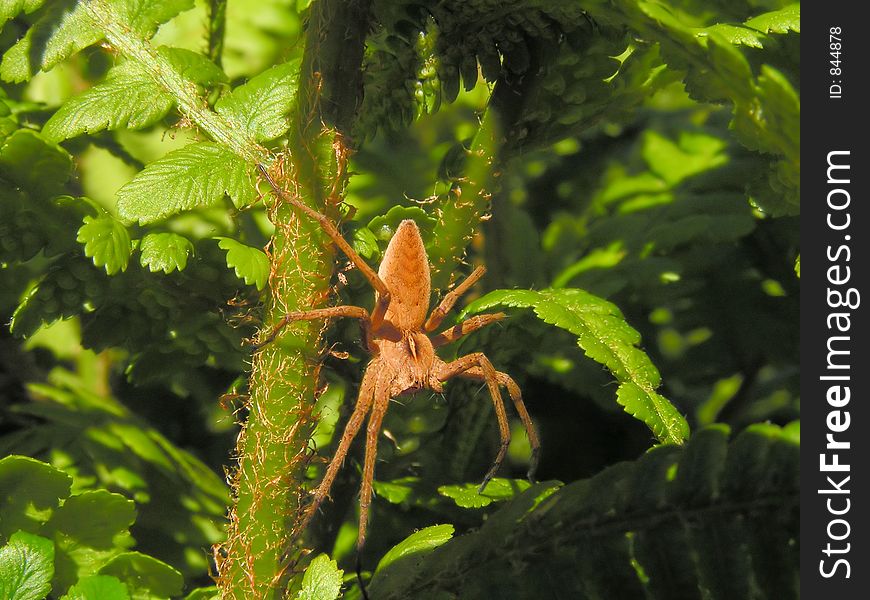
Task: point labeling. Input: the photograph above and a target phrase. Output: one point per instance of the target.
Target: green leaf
(62, 30)
(260, 106)
(322, 580)
(466, 495)
(194, 176)
(623, 533)
(606, 338)
(32, 163)
(97, 587)
(128, 98)
(384, 226)
(144, 575)
(93, 518)
(783, 20)
(165, 252)
(58, 33)
(26, 567)
(203, 593)
(107, 241)
(193, 66)
(10, 8)
(418, 543)
(249, 263)
(29, 489)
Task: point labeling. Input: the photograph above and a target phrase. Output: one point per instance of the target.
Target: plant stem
(261, 556)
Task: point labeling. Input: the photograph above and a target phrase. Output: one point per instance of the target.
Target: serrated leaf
(97, 587)
(107, 241)
(93, 518)
(195, 176)
(249, 263)
(144, 575)
(66, 27)
(34, 164)
(128, 98)
(322, 580)
(606, 338)
(419, 542)
(57, 34)
(466, 495)
(26, 567)
(193, 66)
(165, 252)
(29, 489)
(783, 20)
(260, 106)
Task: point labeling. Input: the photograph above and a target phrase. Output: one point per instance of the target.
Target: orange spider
(399, 337)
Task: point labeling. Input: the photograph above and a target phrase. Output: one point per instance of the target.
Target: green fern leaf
(107, 242)
(783, 20)
(322, 580)
(194, 176)
(250, 264)
(260, 106)
(165, 252)
(606, 338)
(129, 97)
(60, 32)
(64, 32)
(708, 515)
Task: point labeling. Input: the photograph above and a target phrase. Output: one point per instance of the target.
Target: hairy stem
(261, 557)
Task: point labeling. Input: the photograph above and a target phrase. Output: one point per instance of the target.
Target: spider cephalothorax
(399, 336)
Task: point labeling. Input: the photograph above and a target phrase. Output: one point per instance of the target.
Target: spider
(399, 335)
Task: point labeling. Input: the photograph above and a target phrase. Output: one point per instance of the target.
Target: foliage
(637, 529)
(628, 171)
(77, 544)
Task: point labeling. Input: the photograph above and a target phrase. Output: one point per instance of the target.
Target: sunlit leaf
(107, 241)
(250, 264)
(197, 175)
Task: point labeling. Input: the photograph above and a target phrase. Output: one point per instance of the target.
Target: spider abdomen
(405, 271)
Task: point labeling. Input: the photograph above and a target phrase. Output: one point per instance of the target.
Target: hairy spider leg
(330, 229)
(465, 327)
(516, 395)
(457, 368)
(437, 315)
(373, 430)
(353, 312)
(363, 404)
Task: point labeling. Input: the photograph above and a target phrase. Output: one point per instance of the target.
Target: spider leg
(330, 229)
(516, 395)
(354, 312)
(363, 404)
(437, 315)
(488, 373)
(467, 326)
(373, 430)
